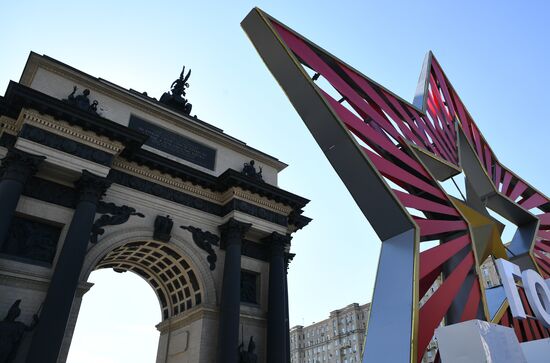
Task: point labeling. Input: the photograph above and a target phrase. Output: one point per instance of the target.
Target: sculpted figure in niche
(82, 101)
(248, 356)
(163, 228)
(11, 333)
(250, 170)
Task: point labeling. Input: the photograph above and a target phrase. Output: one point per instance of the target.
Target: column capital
(277, 243)
(233, 230)
(288, 258)
(19, 165)
(91, 188)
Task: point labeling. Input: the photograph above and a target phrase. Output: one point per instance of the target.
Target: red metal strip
(505, 320)
(519, 188)
(432, 117)
(544, 266)
(443, 84)
(506, 183)
(430, 227)
(524, 322)
(422, 204)
(477, 142)
(517, 329)
(498, 175)
(542, 246)
(401, 176)
(431, 132)
(415, 129)
(369, 135)
(433, 311)
(488, 162)
(545, 331)
(544, 218)
(543, 234)
(472, 304)
(462, 117)
(534, 201)
(433, 258)
(303, 51)
(371, 92)
(427, 281)
(442, 112)
(532, 322)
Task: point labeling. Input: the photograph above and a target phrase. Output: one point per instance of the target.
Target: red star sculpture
(392, 156)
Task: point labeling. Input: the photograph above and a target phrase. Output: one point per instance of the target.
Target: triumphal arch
(94, 176)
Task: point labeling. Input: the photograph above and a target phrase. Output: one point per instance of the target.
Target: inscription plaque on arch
(174, 144)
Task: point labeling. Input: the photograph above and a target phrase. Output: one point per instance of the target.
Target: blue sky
(496, 54)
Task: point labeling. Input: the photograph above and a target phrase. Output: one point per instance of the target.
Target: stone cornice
(228, 179)
(145, 104)
(156, 176)
(72, 132)
(66, 145)
(18, 97)
(184, 319)
(9, 125)
(217, 197)
(239, 193)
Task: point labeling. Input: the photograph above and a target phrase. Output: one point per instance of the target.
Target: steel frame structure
(392, 154)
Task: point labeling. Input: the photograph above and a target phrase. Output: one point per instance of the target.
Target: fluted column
(288, 258)
(50, 330)
(232, 234)
(276, 322)
(17, 167)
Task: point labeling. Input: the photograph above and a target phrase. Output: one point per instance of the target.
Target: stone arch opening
(183, 288)
(165, 269)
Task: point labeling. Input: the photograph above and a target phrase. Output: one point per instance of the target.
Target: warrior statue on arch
(176, 97)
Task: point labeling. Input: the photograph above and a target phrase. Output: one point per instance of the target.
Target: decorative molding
(181, 320)
(19, 165)
(192, 201)
(156, 176)
(147, 105)
(65, 145)
(73, 132)
(205, 240)
(171, 194)
(254, 198)
(185, 186)
(91, 188)
(277, 243)
(112, 215)
(9, 125)
(18, 96)
(255, 211)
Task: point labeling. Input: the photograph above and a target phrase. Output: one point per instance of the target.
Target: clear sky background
(496, 54)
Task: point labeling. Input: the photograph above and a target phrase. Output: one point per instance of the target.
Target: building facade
(338, 339)
(94, 175)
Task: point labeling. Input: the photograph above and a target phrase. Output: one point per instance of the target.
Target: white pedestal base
(478, 341)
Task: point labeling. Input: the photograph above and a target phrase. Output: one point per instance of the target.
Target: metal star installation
(392, 156)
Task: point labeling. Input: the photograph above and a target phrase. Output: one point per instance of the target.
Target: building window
(250, 282)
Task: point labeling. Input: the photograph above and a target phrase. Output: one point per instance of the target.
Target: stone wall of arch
(195, 259)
